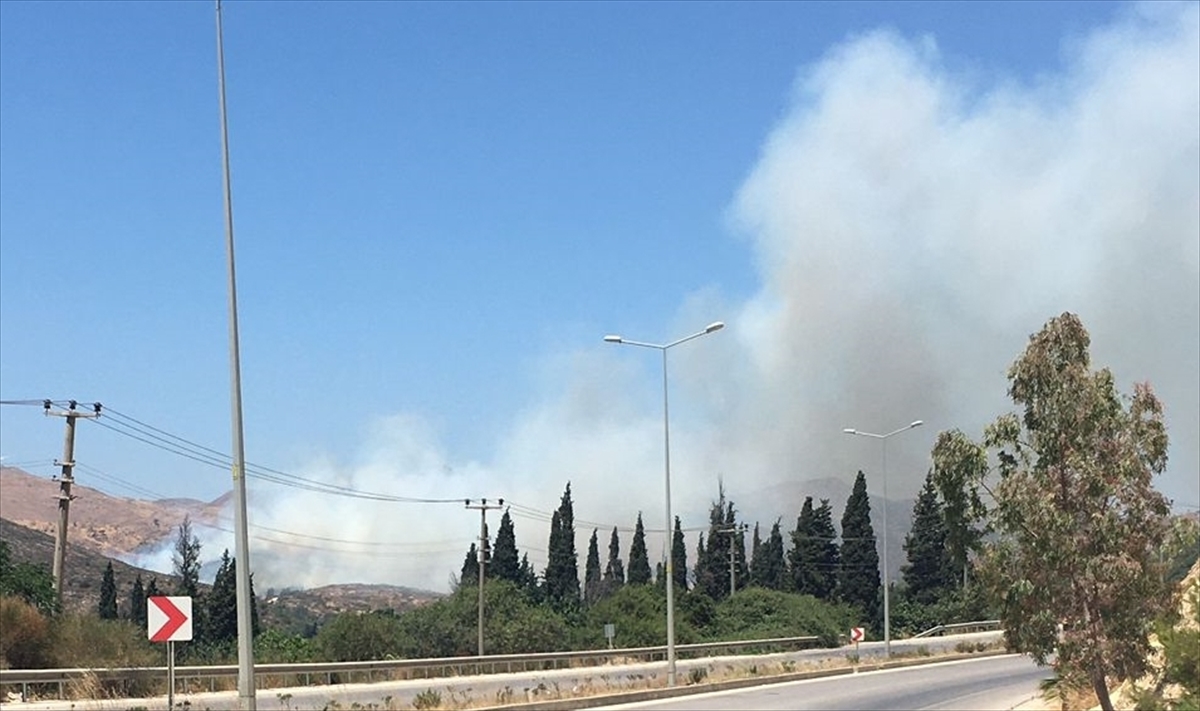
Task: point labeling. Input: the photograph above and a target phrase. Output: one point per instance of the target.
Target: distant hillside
(298, 611)
(83, 568)
(105, 528)
(114, 526)
(305, 611)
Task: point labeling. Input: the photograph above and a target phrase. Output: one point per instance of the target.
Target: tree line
(214, 608)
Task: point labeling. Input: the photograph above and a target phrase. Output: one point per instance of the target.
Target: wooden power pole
(481, 555)
(733, 531)
(66, 479)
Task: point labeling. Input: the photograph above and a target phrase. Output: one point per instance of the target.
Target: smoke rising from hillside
(912, 227)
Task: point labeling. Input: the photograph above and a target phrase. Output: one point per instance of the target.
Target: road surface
(968, 685)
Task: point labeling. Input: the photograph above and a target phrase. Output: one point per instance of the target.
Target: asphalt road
(985, 684)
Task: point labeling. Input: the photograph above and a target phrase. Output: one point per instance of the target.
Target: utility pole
(481, 555)
(66, 479)
(732, 531)
(247, 694)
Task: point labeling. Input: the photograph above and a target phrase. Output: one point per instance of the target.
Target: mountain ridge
(103, 528)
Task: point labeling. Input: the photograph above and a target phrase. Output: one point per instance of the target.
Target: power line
(340, 551)
(128, 486)
(156, 437)
(30, 464)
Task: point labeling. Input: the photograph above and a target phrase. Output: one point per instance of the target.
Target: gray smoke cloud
(912, 226)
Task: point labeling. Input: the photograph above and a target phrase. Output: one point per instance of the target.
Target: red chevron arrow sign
(169, 619)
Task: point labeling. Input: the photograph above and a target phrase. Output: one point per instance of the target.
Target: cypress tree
(152, 589)
(562, 567)
(470, 568)
(828, 556)
(592, 576)
(679, 557)
(220, 623)
(929, 570)
(813, 559)
(858, 582)
(802, 563)
(185, 560)
(255, 627)
(757, 565)
(137, 603)
(614, 571)
(108, 594)
(773, 571)
(639, 560)
(221, 605)
(505, 563)
(528, 579)
(712, 563)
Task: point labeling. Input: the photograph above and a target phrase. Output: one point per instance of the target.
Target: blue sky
(441, 208)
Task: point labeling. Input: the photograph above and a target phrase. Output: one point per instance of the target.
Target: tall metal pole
(246, 691)
(670, 567)
(887, 609)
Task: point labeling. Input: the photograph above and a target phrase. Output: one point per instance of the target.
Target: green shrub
(756, 613)
(1181, 651)
(31, 582)
(275, 646)
(639, 613)
(360, 636)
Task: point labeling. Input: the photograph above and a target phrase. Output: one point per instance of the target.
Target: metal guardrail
(344, 672)
(960, 628)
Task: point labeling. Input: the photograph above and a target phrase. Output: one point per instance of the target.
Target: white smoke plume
(912, 226)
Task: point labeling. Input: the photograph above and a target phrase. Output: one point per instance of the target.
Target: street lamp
(670, 568)
(887, 618)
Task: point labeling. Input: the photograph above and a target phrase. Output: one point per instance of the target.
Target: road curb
(628, 697)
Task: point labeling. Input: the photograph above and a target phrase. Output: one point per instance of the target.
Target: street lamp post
(670, 568)
(887, 617)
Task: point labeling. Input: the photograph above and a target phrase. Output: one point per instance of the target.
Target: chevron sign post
(857, 634)
(169, 619)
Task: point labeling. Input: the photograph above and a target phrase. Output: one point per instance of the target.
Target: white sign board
(169, 619)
